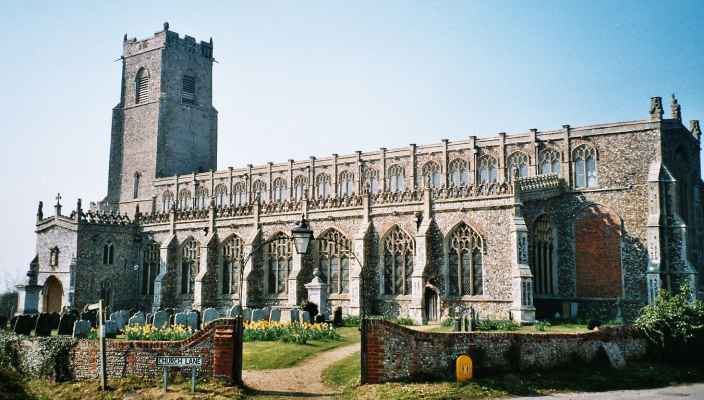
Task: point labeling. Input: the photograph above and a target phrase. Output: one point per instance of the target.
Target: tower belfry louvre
(576, 221)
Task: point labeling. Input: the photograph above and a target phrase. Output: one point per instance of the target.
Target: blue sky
(296, 79)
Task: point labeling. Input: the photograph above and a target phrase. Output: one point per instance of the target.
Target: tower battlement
(166, 38)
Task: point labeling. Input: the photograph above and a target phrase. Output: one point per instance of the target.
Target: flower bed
(149, 332)
(299, 333)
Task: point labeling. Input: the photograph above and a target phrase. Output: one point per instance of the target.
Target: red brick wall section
(134, 357)
(598, 253)
(396, 353)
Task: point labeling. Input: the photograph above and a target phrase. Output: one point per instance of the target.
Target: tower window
(142, 86)
(135, 189)
(188, 92)
(108, 254)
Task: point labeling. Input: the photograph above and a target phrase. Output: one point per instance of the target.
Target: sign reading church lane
(178, 361)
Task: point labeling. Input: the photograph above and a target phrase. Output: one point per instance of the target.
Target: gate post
(237, 351)
(363, 325)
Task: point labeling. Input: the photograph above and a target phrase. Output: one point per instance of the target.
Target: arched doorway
(53, 295)
(431, 303)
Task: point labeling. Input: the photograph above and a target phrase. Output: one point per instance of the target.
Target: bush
(541, 326)
(405, 321)
(447, 322)
(673, 321)
(496, 325)
(350, 321)
(309, 306)
(299, 333)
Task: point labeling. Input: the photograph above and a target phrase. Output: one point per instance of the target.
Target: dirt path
(302, 381)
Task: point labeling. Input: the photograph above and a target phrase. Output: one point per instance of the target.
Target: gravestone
(149, 318)
(234, 311)
(258, 315)
(247, 314)
(305, 317)
(192, 318)
(181, 319)
(337, 316)
(161, 319)
(120, 318)
(137, 319)
(110, 328)
(3, 322)
(66, 323)
(275, 315)
(81, 328)
(91, 316)
(267, 311)
(43, 325)
(293, 315)
(210, 314)
(12, 322)
(54, 319)
(24, 324)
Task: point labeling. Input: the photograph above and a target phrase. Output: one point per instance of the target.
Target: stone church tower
(165, 123)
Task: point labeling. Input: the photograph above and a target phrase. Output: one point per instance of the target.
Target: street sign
(167, 362)
(464, 368)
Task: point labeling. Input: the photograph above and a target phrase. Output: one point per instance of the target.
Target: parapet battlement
(166, 38)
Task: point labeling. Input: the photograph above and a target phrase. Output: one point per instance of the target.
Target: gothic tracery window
(220, 195)
(299, 187)
(334, 249)
(150, 267)
(487, 169)
(280, 252)
(517, 165)
(549, 162)
(399, 250)
(184, 199)
(431, 174)
(190, 257)
(323, 181)
(396, 178)
(371, 180)
(466, 249)
(232, 251)
(201, 200)
(280, 189)
(167, 201)
(239, 194)
(541, 256)
(459, 173)
(259, 189)
(585, 172)
(345, 184)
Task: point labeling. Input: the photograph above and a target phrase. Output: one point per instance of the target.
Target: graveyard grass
(274, 355)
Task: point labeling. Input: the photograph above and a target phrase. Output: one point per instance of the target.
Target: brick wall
(395, 353)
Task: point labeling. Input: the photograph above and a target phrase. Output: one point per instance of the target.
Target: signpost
(179, 362)
(101, 335)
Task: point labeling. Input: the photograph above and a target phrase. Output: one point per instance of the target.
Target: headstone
(137, 319)
(233, 311)
(24, 324)
(81, 328)
(120, 318)
(267, 311)
(275, 315)
(209, 315)
(305, 317)
(258, 315)
(294, 315)
(337, 316)
(192, 320)
(43, 325)
(110, 328)
(247, 314)
(91, 316)
(614, 354)
(66, 323)
(161, 319)
(181, 318)
(12, 322)
(54, 319)
(149, 318)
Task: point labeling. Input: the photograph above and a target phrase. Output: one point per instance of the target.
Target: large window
(585, 173)
(232, 251)
(396, 178)
(280, 189)
(190, 253)
(466, 251)
(399, 249)
(549, 162)
(371, 180)
(184, 199)
(541, 256)
(334, 250)
(239, 194)
(188, 92)
(141, 85)
(459, 173)
(487, 169)
(299, 187)
(167, 201)
(517, 165)
(150, 268)
(279, 264)
(323, 181)
(345, 184)
(221, 195)
(431, 175)
(201, 198)
(259, 190)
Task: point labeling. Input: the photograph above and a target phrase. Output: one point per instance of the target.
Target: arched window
(280, 189)
(135, 188)
(184, 199)
(188, 89)
(371, 180)
(259, 189)
(487, 169)
(334, 249)
(190, 254)
(201, 198)
(232, 251)
(221, 195)
(399, 249)
(239, 194)
(150, 267)
(323, 182)
(108, 254)
(466, 248)
(585, 173)
(345, 184)
(541, 257)
(167, 201)
(459, 173)
(431, 174)
(279, 264)
(141, 86)
(549, 162)
(517, 165)
(396, 178)
(299, 187)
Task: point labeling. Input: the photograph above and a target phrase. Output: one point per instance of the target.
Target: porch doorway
(431, 304)
(53, 295)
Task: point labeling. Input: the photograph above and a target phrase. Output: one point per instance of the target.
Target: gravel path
(303, 381)
(691, 391)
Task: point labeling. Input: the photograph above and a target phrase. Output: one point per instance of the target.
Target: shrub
(447, 322)
(673, 320)
(309, 306)
(496, 325)
(299, 333)
(541, 326)
(149, 332)
(350, 321)
(405, 321)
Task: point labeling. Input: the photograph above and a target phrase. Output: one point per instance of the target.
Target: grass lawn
(344, 373)
(272, 355)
